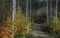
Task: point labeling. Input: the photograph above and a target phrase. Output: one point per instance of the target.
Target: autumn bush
(22, 24)
(5, 27)
(56, 24)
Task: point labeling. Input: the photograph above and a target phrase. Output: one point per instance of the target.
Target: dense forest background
(29, 14)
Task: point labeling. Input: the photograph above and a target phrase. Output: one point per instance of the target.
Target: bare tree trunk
(51, 13)
(26, 9)
(13, 15)
(56, 11)
(30, 12)
(47, 11)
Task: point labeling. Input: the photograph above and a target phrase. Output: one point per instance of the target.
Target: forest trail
(37, 33)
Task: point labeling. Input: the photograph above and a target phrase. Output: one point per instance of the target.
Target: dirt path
(38, 33)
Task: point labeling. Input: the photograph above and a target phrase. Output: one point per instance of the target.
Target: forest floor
(37, 33)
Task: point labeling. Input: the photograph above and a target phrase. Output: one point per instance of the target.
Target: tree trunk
(50, 12)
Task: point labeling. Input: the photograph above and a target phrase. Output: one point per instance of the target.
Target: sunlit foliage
(23, 26)
(56, 24)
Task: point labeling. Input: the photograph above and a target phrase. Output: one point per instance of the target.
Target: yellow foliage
(56, 24)
(21, 23)
(9, 21)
